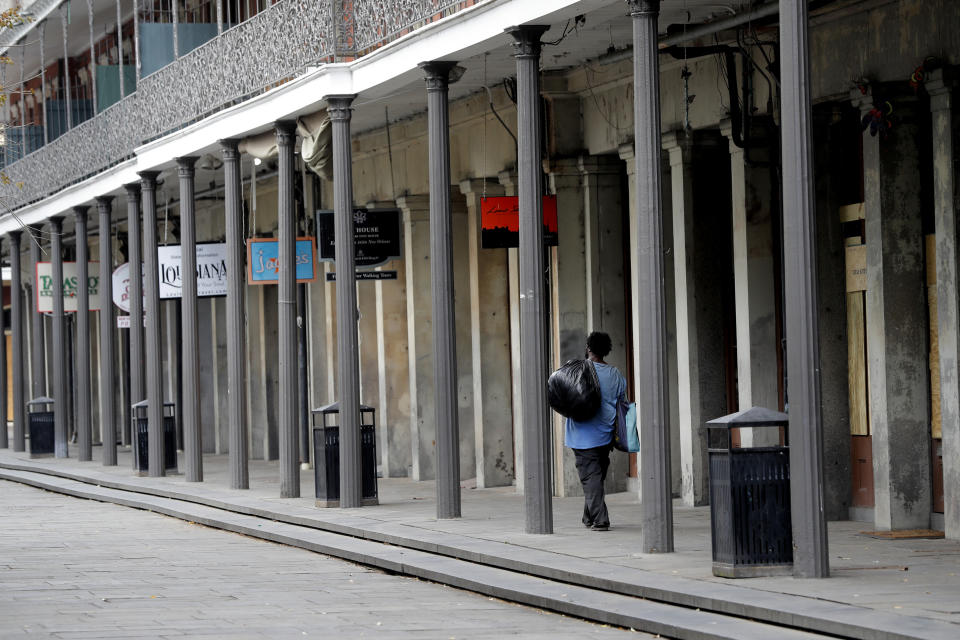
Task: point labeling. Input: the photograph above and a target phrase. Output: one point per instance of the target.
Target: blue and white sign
(263, 260)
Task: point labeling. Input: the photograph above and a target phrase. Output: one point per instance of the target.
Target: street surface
(72, 568)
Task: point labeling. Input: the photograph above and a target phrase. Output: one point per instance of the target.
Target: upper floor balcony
(91, 81)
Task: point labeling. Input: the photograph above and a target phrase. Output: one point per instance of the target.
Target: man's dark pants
(592, 465)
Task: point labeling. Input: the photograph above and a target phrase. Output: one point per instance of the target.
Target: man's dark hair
(599, 344)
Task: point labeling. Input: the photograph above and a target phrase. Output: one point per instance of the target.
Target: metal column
(153, 362)
(287, 315)
(93, 57)
(538, 480)
(38, 356)
(64, 12)
(16, 340)
(59, 344)
(441, 272)
(136, 302)
(120, 48)
(108, 424)
(656, 506)
(236, 353)
(800, 293)
(41, 28)
(190, 348)
(339, 110)
(82, 379)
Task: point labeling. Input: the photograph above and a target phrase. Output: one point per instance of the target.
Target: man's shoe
(600, 527)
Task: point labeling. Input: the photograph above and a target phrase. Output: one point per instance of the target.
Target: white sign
(44, 292)
(211, 270)
(211, 274)
(123, 322)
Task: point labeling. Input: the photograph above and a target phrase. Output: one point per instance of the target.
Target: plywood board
(856, 268)
(851, 212)
(857, 364)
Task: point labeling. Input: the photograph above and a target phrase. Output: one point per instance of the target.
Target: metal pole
(441, 272)
(136, 38)
(23, 107)
(351, 490)
(656, 506)
(153, 361)
(4, 442)
(16, 339)
(287, 315)
(120, 49)
(82, 363)
(64, 11)
(93, 59)
(174, 12)
(136, 303)
(190, 348)
(236, 353)
(538, 484)
(810, 558)
(42, 27)
(219, 17)
(59, 356)
(38, 354)
(303, 383)
(108, 425)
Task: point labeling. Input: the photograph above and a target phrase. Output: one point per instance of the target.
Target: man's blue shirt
(599, 430)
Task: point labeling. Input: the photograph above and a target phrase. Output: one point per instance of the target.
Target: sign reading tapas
(211, 270)
(500, 222)
(263, 260)
(71, 284)
(376, 236)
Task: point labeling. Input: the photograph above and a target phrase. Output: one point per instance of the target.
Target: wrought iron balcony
(270, 48)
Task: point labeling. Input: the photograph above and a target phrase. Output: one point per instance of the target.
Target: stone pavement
(914, 578)
(81, 569)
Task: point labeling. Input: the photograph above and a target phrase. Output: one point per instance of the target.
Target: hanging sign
(121, 287)
(376, 236)
(263, 260)
(44, 290)
(211, 270)
(366, 275)
(500, 222)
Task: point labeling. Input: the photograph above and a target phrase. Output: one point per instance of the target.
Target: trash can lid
(41, 400)
(335, 408)
(752, 417)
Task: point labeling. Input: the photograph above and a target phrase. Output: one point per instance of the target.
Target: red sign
(500, 222)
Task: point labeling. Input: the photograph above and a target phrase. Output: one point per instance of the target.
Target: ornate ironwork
(269, 49)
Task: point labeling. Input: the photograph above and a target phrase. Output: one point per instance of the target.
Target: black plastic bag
(573, 390)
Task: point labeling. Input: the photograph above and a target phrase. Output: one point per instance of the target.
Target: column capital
(286, 132)
(940, 84)
(81, 209)
(56, 222)
(104, 202)
(527, 38)
(185, 166)
(644, 7)
(14, 236)
(338, 106)
(148, 180)
(230, 149)
(437, 74)
(133, 191)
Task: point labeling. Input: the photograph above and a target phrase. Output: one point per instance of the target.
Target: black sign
(376, 236)
(367, 275)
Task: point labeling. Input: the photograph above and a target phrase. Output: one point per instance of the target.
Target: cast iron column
(136, 303)
(4, 442)
(41, 28)
(16, 340)
(151, 299)
(190, 348)
(108, 425)
(120, 48)
(441, 272)
(38, 356)
(287, 315)
(656, 506)
(538, 481)
(93, 58)
(236, 353)
(339, 110)
(136, 40)
(82, 366)
(64, 13)
(800, 293)
(59, 344)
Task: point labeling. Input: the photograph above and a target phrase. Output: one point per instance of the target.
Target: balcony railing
(268, 49)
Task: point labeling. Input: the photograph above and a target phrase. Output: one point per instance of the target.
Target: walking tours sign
(376, 236)
(44, 288)
(263, 260)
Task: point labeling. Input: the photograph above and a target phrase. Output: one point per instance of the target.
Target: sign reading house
(71, 284)
(263, 260)
(211, 270)
(376, 236)
(500, 222)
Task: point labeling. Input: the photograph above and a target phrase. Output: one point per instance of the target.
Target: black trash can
(326, 456)
(749, 499)
(141, 447)
(40, 427)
